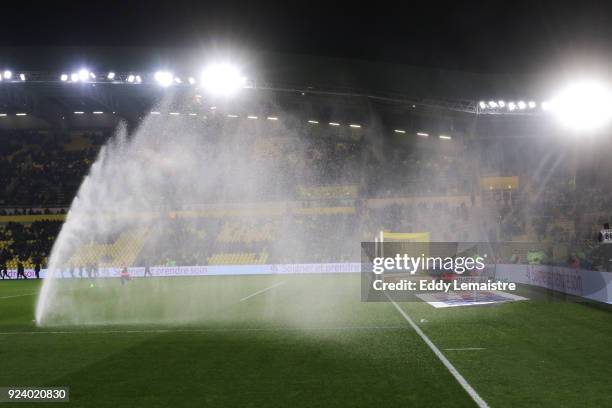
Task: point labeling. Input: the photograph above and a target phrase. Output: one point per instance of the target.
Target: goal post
(399, 237)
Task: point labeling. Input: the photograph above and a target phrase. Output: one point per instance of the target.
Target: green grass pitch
(308, 342)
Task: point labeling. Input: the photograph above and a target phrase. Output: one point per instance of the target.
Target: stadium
(190, 227)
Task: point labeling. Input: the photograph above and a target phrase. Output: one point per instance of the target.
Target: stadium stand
(468, 189)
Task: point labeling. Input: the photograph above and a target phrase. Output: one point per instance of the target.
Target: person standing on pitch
(3, 269)
(20, 270)
(147, 269)
(125, 275)
(37, 262)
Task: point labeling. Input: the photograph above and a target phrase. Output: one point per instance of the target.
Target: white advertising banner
(578, 282)
(212, 270)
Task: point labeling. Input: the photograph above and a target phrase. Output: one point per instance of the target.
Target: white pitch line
(462, 381)
(14, 296)
(465, 349)
(252, 329)
(261, 291)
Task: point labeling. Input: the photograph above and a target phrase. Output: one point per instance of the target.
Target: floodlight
(192, 80)
(584, 105)
(222, 79)
(64, 77)
(111, 75)
(138, 79)
(511, 106)
(83, 75)
(492, 104)
(22, 76)
(501, 104)
(531, 104)
(74, 77)
(521, 105)
(545, 105)
(178, 80)
(7, 74)
(482, 104)
(164, 78)
(130, 78)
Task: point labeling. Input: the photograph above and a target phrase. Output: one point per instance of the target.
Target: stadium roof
(49, 102)
(294, 69)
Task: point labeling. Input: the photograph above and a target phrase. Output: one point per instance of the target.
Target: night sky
(492, 36)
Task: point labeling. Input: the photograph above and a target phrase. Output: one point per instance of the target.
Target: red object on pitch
(447, 277)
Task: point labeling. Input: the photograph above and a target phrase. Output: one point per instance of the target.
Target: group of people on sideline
(20, 271)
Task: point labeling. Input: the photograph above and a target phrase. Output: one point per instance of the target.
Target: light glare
(83, 75)
(222, 79)
(585, 105)
(164, 78)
